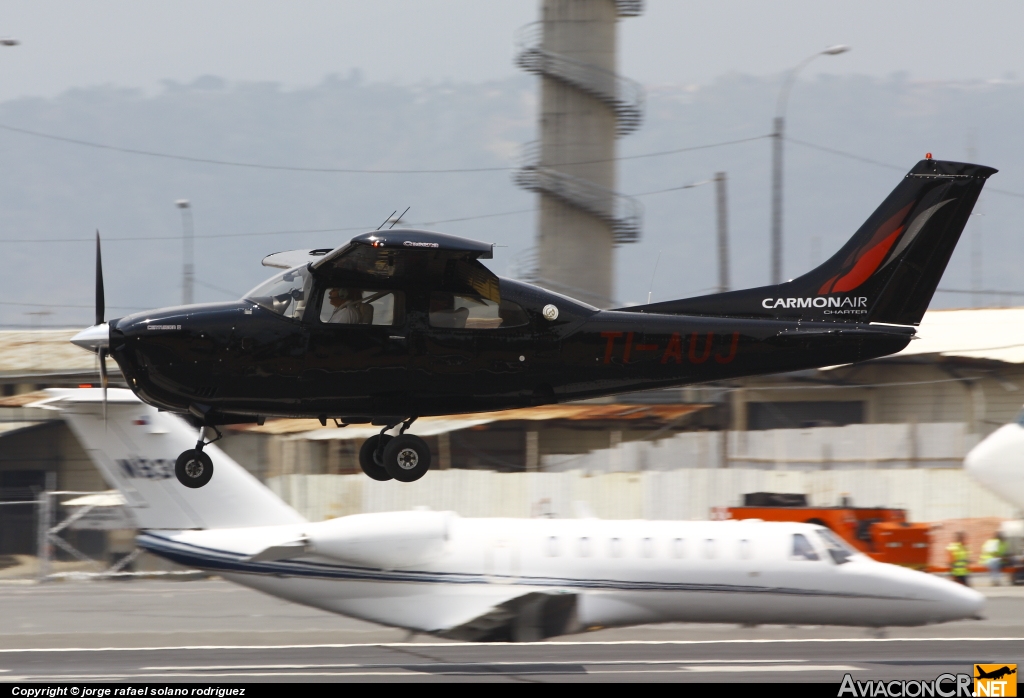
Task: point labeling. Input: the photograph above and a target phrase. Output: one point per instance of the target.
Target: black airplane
(995, 673)
(400, 324)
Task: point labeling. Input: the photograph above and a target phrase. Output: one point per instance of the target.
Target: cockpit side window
(1020, 418)
(802, 548)
(285, 294)
(837, 548)
(470, 312)
(358, 306)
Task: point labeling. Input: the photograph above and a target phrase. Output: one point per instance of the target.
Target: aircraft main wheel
(368, 460)
(407, 458)
(193, 468)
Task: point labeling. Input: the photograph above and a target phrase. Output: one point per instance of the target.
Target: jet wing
(532, 615)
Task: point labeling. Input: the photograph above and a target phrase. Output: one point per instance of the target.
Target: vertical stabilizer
(135, 449)
(887, 272)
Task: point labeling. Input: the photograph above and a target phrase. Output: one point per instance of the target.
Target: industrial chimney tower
(584, 107)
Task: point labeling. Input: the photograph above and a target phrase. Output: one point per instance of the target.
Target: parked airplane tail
(135, 447)
(886, 273)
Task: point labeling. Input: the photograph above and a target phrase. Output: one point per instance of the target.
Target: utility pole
(723, 232)
(187, 272)
(778, 134)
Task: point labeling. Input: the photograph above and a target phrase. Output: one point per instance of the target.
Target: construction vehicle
(879, 532)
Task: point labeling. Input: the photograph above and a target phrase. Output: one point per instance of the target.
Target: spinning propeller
(97, 337)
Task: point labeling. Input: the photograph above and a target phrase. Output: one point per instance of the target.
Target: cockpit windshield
(836, 546)
(284, 294)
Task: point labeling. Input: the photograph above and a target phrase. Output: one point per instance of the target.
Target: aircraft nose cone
(965, 602)
(93, 338)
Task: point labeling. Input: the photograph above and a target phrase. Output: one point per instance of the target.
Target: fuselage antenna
(400, 217)
(651, 289)
(387, 219)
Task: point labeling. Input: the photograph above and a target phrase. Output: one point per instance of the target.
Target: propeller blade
(103, 378)
(100, 302)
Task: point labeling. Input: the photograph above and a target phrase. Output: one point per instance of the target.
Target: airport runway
(212, 631)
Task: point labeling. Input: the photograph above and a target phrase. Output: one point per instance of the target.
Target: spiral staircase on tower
(624, 97)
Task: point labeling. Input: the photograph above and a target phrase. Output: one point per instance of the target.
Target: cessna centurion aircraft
(491, 579)
(400, 324)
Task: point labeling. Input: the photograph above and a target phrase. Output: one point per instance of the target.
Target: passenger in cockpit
(347, 307)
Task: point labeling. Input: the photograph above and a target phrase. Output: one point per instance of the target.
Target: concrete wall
(927, 494)
(942, 445)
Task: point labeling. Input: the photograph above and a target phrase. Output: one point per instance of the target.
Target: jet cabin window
(357, 306)
(802, 548)
(284, 294)
(465, 311)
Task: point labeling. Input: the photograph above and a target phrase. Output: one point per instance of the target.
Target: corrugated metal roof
(996, 334)
(429, 426)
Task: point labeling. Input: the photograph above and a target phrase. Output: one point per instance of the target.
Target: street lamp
(186, 250)
(777, 137)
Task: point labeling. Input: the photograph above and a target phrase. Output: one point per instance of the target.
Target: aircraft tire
(367, 461)
(193, 468)
(407, 458)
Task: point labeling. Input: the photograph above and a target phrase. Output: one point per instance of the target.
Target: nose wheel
(405, 457)
(194, 468)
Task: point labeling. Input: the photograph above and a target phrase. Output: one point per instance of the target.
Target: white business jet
(490, 579)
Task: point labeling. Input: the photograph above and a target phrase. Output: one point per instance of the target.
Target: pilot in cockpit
(347, 307)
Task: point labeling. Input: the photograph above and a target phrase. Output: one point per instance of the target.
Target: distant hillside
(57, 190)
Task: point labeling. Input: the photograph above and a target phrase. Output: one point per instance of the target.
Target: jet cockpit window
(357, 306)
(1020, 418)
(837, 548)
(802, 548)
(285, 294)
(465, 311)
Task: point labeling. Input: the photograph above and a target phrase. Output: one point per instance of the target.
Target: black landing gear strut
(193, 467)
(405, 457)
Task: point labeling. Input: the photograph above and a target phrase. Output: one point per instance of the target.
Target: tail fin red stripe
(867, 264)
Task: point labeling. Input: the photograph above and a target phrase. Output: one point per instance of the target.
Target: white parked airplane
(997, 463)
(491, 579)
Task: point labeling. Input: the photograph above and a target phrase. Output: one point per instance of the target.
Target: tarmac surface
(212, 631)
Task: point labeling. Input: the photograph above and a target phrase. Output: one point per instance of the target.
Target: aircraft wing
(531, 615)
(416, 256)
(294, 258)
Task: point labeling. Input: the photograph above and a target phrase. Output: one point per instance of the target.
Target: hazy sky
(137, 44)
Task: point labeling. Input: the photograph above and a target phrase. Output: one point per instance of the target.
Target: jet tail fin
(134, 449)
(887, 272)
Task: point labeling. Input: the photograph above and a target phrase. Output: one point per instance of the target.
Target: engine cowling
(390, 540)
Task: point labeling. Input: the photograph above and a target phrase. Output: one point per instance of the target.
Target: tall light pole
(186, 250)
(722, 211)
(777, 137)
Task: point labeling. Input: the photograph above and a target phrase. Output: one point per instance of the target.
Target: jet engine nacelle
(385, 541)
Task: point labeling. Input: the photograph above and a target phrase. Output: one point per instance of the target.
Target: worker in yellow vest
(958, 559)
(993, 556)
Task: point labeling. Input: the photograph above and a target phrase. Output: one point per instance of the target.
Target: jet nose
(965, 602)
(956, 601)
(93, 338)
